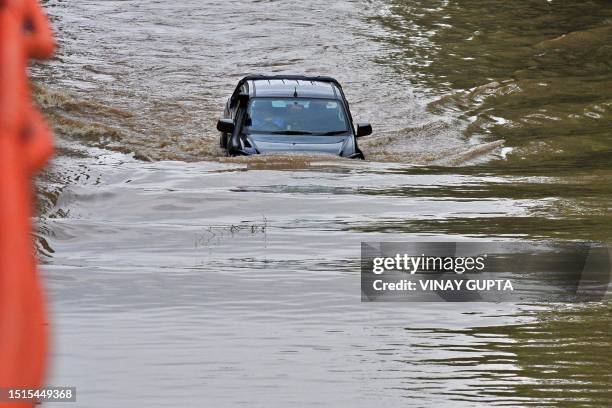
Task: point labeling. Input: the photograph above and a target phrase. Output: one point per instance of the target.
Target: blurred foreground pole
(25, 145)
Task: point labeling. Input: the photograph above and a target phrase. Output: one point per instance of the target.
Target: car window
(295, 115)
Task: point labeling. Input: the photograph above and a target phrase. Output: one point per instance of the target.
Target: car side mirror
(363, 129)
(225, 125)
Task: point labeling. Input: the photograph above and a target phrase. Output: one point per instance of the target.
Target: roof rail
(318, 78)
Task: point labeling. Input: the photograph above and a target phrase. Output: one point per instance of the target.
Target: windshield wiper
(333, 132)
(291, 132)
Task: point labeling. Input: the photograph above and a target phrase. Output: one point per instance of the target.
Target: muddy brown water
(178, 276)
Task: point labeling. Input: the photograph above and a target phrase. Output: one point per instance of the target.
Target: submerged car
(289, 114)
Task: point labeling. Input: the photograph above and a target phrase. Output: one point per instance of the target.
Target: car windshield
(299, 116)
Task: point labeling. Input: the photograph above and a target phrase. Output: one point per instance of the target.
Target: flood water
(180, 277)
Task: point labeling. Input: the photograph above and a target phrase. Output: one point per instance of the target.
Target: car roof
(292, 86)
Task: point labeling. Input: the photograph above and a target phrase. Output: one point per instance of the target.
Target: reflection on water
(537, 73)
(173, 279)
(207, 280)
(540, 362)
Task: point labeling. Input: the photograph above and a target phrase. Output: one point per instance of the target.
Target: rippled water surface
(180, 277)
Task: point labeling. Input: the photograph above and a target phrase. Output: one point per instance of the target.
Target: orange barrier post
(25, 145)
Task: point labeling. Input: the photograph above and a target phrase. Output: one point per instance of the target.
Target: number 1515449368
(47, 394)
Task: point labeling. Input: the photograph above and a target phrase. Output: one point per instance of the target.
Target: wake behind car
(289, 114)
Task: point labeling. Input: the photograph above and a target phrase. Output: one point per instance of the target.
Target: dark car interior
(308, 115)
